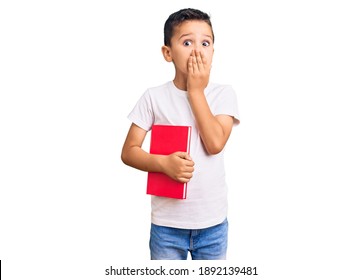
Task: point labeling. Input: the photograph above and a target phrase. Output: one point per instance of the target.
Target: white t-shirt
(206, 202)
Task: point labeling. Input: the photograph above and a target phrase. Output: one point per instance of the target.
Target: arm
(214, 130)
(178, 166)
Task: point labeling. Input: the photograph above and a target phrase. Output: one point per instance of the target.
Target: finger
(188, 157)
(190, 65)
(205, 63)
(195, 63)
(189, 172)
(203, 58)
(183, 180)
(199, 60)
(185, 177)
(188, 169)
(183, 155)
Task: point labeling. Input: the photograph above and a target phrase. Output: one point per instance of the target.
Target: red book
(165, 140)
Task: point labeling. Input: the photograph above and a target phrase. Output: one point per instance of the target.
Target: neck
(180, 82)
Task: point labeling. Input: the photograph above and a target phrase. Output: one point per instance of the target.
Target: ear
(167, 54)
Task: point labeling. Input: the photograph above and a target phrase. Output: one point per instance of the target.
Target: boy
(197, 224)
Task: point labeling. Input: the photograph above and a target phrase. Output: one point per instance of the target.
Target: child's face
(188, 36)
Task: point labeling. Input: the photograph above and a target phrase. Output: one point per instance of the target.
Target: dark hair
(177, 18)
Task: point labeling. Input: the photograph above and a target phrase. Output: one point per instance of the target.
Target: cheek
(209, 56)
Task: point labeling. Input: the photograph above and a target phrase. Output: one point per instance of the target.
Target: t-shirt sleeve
(227, 104)
(142, 114)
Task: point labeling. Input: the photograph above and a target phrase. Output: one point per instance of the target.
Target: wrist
(196, 92)
(160, 163)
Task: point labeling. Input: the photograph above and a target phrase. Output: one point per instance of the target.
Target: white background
(71, 71)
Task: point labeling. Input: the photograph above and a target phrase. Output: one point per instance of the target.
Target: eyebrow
(187, 34)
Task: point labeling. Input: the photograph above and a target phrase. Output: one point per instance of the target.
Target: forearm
(214, 131)
(136, 157)
(210, 130)
(178, 166)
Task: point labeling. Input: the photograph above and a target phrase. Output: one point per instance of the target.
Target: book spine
(189, 139)
(185, 191)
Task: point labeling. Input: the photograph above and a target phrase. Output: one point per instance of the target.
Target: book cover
(165, 140)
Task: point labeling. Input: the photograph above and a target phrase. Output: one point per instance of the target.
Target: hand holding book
(179, 166)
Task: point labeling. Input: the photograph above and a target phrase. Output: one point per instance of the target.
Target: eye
(205, 44)
(187, 43)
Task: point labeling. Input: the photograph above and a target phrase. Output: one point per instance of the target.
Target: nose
(197, 47)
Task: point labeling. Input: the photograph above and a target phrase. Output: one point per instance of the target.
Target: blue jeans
(168, 243)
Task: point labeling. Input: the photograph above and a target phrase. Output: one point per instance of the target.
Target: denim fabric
(168, 243)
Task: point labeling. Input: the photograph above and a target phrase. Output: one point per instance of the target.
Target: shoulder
(158, 89)
(153, 93)
(215, 89)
